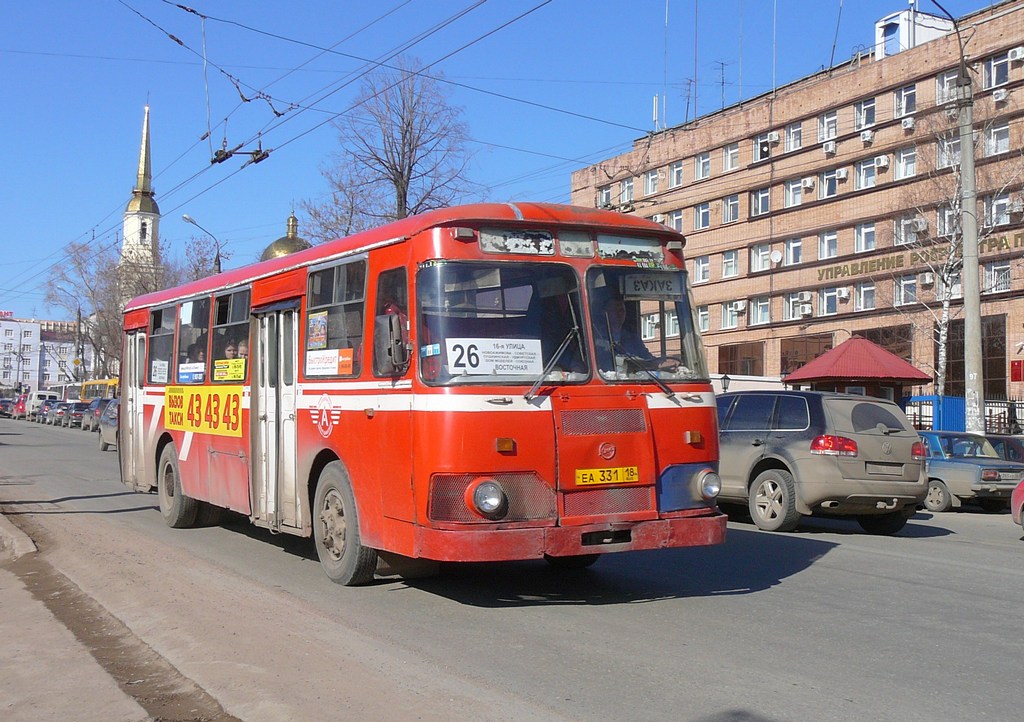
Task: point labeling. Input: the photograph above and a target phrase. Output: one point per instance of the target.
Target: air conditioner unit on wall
(919, 224)
(927, 278)
(803, 296)
(843, 294)
(908, 123)
(658, 218)
(867, 135)
(841, 173)
(1016, 206)
(739, 306)
(808, 183)
(773, 136)
(1000, 95)
(881, 161)
(1016, 54)
(829, 146)
(804, 309)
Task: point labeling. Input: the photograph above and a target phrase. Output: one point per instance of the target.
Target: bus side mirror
(390, 356)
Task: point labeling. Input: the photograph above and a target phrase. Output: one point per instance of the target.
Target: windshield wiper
(574, 332)
(642, 365)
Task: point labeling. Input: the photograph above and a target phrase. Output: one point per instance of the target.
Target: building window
(760, 201)
(864, 174)
(650, 182)
(905, 290)
(828, 301)
(26, 334)
(760, 311)
(7, 375)
(905, 230)
(731, 314)
(864, 237)
(864, 296)
(703, 318)
(730, 264)
(46, 363)
(792, 304)
(731, 157)
(947, 221)
(997, 209)
(46, 378)
(997, 277)
(954, 286)
(828, 244)
(906, 163)
(828, 126)
(649, 326)
(794, 253)
(794, 136)
(864, 114)
(746, 359)
(701, 269)
(626, 191)
(794, 191)
(676, 174)
(26, 348)
(762, 148)
(702, 166)
(948, 151)
(760, 257)
(945, 87)
(675, 220)
(731, 208)
(671, 325)
(701, 216)
(904, 101)
(997, 139)
(828, 183)
(997, 71)
(143, 232)
(604, 196)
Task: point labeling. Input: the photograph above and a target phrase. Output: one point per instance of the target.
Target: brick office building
(827, 208)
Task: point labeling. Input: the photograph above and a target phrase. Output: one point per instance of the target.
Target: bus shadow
(748, 562)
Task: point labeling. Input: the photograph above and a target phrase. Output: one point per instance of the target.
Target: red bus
(489, 382)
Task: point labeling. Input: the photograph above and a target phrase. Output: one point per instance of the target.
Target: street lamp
(725, 382)
(216, 259)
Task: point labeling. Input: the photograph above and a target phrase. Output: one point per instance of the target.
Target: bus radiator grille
(608, 501)
(594, 422)
(529, 497)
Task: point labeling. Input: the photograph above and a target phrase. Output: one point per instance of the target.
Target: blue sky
(76, 76)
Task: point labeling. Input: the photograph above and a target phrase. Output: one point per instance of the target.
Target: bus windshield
(643, 325)
(500, 323)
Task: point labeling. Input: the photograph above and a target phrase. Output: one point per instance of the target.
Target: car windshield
(968, 447)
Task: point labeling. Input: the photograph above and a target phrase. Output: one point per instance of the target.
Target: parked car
(35, 400)
(56, 413)
(1017, 504)
(5, 406)
(74, 414)
(966, 467)
(1008, 447)
(44, 409)
(788, 454)
(91, 418)
(108, 425)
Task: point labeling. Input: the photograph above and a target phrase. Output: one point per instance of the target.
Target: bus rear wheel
(178, 510)
(336, 530)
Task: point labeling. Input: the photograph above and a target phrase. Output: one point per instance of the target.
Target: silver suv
(788, 454)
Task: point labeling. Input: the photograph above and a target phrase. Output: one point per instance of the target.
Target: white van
(36, 399)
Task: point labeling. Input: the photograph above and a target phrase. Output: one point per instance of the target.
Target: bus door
(272, 417)
(131, 416)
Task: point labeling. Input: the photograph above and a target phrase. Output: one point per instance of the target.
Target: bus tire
(336, 530)
(178, 510)
(209, 514)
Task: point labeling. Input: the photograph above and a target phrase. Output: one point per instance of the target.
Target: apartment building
(830, 206)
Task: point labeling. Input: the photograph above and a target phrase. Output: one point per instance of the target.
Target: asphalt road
(823, 623)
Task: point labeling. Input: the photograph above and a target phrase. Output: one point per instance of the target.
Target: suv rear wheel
(772, 501)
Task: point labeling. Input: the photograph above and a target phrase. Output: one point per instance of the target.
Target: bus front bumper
(493, 545)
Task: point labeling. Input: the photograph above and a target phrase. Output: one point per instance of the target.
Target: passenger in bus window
(243, 348)
(625, 342)
(230, 350)
(197, 353)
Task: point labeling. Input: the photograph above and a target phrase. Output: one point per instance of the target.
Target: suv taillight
(917, 451)
(830, 445)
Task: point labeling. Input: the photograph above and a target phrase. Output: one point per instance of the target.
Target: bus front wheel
(336, 530)
(178, 510)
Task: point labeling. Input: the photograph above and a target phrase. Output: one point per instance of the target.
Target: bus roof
(519, 214)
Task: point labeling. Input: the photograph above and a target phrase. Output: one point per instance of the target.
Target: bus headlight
(710, 485)
(487, 499)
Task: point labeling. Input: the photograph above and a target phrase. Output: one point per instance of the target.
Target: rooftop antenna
(664, 77)
(695, 35)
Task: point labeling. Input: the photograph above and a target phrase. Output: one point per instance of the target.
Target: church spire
(142, 195)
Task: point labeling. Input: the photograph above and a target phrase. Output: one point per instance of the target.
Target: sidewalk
(45, 672)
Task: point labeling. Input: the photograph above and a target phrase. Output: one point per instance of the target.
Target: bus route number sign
(204, 409)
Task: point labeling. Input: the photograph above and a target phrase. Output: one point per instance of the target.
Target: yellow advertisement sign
(204, 409)
(229, 369)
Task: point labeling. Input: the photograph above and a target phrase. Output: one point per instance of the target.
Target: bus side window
(193, 341)
(334, 320)
(231, 336)
(161, 344)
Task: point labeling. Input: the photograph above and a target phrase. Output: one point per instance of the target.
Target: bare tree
(940, 246)
(403, 151)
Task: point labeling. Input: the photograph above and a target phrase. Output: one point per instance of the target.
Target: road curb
(13, 541)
